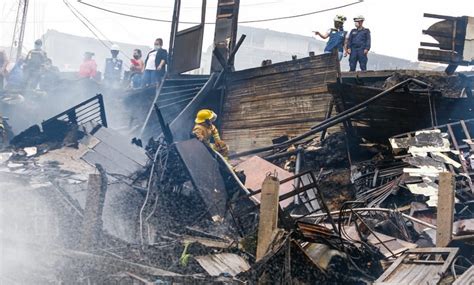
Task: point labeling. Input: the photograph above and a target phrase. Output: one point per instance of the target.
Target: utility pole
(19, 30)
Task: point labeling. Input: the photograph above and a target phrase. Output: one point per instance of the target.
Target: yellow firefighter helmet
(204, 115)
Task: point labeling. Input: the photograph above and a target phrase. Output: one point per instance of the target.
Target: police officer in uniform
(358, 45)
(336, 36)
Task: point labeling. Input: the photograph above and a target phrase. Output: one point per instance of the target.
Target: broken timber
(92, 223)
(268, 214)
(445, 214)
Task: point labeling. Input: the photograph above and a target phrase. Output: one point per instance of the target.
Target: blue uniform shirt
(113, 69)
(336, 40)
(359, 39)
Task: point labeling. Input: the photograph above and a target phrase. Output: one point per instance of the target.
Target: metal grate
(91, 110)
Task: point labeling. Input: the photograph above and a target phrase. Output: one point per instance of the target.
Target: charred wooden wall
(398, 112)
(281, 99)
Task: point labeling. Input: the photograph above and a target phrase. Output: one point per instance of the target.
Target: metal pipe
(328, 115)
(150, 111)
(298, 163)
(322, 127)
(280, 155)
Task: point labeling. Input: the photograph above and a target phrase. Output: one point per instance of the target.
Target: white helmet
(340, 18)
(114, 47)
(359, 18)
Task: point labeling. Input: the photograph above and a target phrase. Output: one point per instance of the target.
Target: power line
(68, 5)
(83, 20)
(91, 24)
(211, 23)
(189, 7)
(301, 15)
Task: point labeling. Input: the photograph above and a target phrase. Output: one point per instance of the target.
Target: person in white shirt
(155, 65)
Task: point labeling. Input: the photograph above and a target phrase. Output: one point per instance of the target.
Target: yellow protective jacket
(204, 132)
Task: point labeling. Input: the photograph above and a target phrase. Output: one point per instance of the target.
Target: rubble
(179, 213)
(377, 192)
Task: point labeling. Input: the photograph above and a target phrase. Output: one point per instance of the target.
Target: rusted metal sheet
(256, 169)
(419, 266)
(218, 264)
(272, 101)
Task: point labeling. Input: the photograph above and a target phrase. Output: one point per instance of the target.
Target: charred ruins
(334, 177)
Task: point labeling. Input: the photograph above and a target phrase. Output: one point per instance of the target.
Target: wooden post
(445, 214)
(92, 221)
(268, 219)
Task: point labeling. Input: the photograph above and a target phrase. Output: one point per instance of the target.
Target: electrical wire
(83, 19)
(92, 24)
(189, 7)
(102, 34)
(68, 5)
(212, 23)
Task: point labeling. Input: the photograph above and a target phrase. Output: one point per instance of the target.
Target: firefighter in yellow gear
(204, 130)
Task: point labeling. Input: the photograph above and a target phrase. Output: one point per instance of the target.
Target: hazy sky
(395, 25)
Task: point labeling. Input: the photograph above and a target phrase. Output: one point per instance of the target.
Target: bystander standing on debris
(204, 130)
(34, 65)
(136, 68)
(155, 64)
(3, 68)
(113, 66)
(88, 68)
(336, 36)
(358, 45)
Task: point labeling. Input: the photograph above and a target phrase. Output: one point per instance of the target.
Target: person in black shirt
(155, 65)
(34, 65)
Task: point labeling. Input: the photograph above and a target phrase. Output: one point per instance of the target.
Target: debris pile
(328, 206)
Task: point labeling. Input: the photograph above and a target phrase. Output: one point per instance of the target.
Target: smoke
(28, 228)
(29, 107)
(36, 226)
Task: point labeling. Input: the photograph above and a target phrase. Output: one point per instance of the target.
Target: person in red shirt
(88, 68)
(136, 68)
